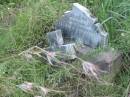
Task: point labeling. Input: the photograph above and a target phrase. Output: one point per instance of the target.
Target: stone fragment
(80, 25)
(55, 38)
(68, 51)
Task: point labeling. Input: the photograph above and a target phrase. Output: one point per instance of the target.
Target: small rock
(55, 38)
(68, 51)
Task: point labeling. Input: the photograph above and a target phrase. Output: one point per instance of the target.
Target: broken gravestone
(81, 26)
(55, 38)
(77, 28)
(56, 42)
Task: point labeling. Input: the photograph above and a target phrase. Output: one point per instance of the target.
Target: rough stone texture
(79, 25)
(55, 38)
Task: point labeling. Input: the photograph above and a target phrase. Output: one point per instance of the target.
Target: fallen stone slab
(77, 26)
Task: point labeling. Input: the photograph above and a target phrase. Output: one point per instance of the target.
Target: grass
(25, 23)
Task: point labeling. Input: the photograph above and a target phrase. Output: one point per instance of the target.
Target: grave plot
(78, 33)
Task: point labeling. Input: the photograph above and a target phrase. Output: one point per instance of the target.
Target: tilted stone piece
(55, 38)
(80, 25)
(68, 49)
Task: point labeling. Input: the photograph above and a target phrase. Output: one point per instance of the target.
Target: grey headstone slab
(55, 38)
(80, 25)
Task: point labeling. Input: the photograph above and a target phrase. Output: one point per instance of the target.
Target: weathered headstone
(79, 25)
